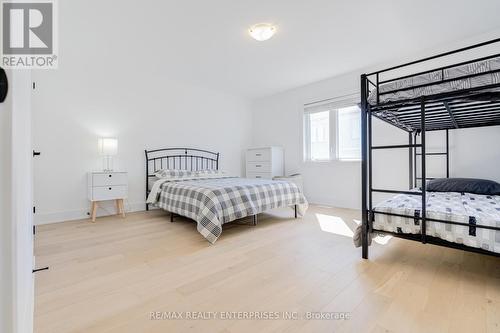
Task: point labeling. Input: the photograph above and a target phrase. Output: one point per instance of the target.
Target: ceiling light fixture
(262, 31)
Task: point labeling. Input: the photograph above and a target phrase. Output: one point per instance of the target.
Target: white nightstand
(104, 186)
(264, 162)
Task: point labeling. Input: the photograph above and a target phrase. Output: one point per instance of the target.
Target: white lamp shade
(108, 146)
(262, 31)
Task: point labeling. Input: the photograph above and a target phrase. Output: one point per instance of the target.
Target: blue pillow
(468, 185)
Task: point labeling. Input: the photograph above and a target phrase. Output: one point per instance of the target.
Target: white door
(6, 226)
(22, 201)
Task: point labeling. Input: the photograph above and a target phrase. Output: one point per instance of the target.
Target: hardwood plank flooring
(110, 275)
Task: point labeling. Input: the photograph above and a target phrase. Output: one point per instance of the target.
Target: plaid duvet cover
(473, 209)
(215, 201)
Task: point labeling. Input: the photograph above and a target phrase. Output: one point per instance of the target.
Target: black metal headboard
(178, 158)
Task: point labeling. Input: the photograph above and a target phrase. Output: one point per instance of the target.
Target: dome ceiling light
(262, 31)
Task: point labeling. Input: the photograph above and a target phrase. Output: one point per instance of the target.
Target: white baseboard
(106, 209)
(322, 201)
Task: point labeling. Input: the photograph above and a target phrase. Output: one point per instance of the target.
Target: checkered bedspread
(473, 209)
(213, 202)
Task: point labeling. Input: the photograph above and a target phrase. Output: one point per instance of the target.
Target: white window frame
(337, 132)
(331, 105)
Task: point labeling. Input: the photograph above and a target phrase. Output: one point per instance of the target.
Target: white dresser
(104, 186)
(264, 162)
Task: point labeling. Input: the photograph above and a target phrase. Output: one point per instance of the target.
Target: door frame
(17, 200)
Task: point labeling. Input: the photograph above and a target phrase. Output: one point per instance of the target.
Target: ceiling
(206, 42)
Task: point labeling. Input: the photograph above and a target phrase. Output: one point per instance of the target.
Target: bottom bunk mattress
(472, 209)
(215, 201)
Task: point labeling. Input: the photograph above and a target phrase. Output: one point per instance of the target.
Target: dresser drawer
(106, 179)
(263, 175)
(258, 155)
(259, 167)
(101, 193)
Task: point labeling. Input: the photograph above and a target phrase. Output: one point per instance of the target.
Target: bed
(470, 75)
(456, 96)
(466, 208)
(208, 196)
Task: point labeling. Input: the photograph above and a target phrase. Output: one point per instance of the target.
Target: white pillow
(209, 173)
(173, 173)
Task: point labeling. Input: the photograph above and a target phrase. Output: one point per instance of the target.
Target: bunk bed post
(424, 177)
(147, 179)
(447, 154)
(370, 166)
(364, 160)
(410, 160)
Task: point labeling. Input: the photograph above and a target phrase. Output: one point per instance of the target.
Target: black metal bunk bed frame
(465, 108)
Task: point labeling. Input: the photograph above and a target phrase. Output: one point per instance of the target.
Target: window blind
(332, 103)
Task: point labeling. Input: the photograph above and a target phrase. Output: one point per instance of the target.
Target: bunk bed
(456, 96)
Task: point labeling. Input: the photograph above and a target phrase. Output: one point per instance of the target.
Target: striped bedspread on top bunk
(436, 76)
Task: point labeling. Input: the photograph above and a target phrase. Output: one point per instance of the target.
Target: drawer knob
(109, 188)
(110, 176)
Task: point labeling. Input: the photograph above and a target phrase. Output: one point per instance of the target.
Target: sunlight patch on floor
(334, 225)
(382, 239)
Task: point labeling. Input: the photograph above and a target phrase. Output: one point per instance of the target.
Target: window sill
(350, 160)
(321, 162)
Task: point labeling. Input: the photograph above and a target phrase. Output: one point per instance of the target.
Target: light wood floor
(109, 276)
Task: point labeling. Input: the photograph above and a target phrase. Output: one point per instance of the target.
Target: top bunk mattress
(439, 87)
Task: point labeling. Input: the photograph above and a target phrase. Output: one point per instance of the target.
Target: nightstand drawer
(259, 167)
(258, 155)
(261, 175)
(106, 179)
(101, 193)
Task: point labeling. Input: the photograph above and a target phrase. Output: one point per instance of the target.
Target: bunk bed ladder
(424, 183)
(446, 154)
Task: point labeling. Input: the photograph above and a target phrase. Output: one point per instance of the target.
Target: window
(320, 135)
(349, 133)
(332, 131)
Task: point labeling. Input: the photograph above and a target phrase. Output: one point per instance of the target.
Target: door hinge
(40, 269)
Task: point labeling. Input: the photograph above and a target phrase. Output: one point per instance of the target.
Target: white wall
(158, 114)
(277, 120)
(106, 85)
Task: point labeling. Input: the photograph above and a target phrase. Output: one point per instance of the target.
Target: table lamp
(108, 147)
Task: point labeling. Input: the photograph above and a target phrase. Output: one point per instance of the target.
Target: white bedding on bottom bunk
(449, 206)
